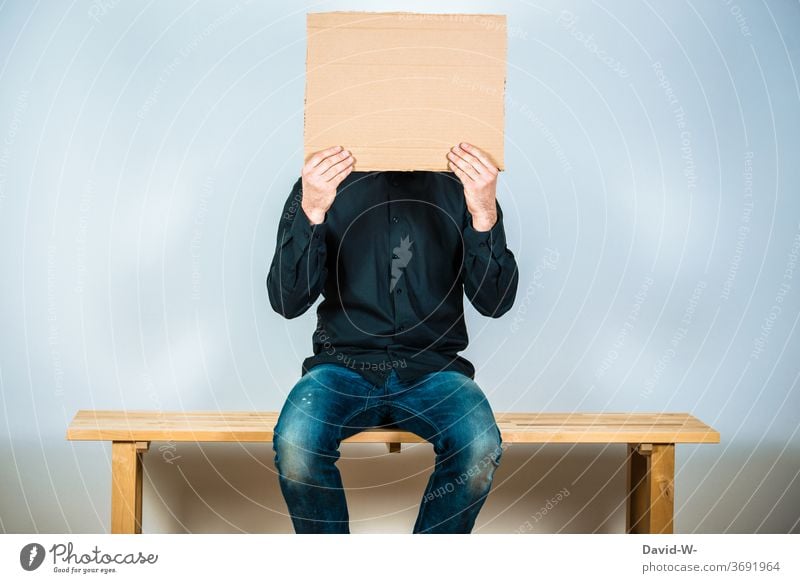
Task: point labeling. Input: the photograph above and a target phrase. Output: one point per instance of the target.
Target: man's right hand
(321, 175)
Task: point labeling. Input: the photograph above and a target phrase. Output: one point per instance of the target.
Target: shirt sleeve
(490, 268)
(297, 274)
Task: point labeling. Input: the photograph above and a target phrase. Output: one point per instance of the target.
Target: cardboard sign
(399, 89)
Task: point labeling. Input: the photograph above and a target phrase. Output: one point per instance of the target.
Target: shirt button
(395, 219)
(399, 290)
(401, 328)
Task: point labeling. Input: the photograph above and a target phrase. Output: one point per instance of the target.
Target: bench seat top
(257, 426)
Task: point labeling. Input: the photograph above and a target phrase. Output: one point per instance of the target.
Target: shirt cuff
(304, 233)
(482, 243)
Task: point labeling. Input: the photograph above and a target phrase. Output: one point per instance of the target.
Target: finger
(326, 164)
(329, 162)
(479, 167)
(463, 165)
(318, 157)
(458, 172)
(336, 180)
(480, 155)
(338, 167)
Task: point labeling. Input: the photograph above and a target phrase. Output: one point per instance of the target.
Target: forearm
(297, 273)
(491, 276)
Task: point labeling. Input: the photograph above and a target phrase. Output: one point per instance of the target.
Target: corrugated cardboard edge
(305, 91)
(501, 166)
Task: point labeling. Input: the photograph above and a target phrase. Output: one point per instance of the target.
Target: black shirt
(393, 259)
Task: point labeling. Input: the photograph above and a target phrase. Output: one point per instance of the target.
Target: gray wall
(651, 199)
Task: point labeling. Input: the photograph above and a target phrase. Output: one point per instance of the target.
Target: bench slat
(254, 426)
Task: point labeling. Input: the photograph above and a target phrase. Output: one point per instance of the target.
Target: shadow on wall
(228, 488)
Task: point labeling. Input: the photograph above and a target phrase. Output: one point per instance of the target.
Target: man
(392, 253)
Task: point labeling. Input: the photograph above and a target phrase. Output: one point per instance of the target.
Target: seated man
(392, 253)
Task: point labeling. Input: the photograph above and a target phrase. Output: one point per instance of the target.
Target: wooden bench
(650, 440)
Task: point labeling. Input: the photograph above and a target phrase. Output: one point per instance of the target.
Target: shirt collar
(416, 180)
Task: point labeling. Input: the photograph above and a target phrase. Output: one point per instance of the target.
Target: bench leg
(126, 486)
(650, 479)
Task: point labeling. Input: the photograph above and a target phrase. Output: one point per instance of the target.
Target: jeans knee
(297, 456)
(480, 459)
(290, 460)
(486, 449)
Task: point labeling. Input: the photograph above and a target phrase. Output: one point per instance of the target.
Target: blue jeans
(332, 402)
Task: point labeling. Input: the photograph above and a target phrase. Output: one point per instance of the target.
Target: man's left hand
(479, 177)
